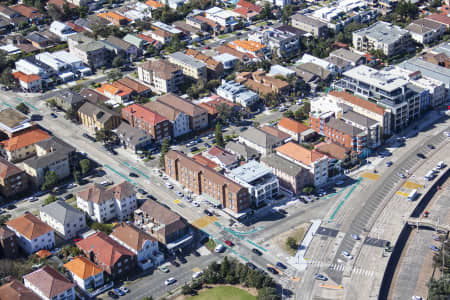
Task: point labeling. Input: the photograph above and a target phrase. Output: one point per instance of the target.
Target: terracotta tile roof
(24, 139)
(43, 253)
(154, 4)
(441, 18)
(106, 250)
(167, 111)
(134, 85)
(15, 290)
(275, 132)
(149, 39)
(113, 15)
(49, 282)
(358, 101)
(114, 89)
(29, 226)
(8, 169)
(75, 27)
(26, 78)
(143, 113)
(204, 161)
(244, 11)
(208, 21)
(208, 60)
(249, 5)
(333, 150)
(27, 11)
(185, 106)
(299, 153)
(241, 55)
(82, 267)
(97, 193)
(131, 236)
(292, 125)
(251, 46)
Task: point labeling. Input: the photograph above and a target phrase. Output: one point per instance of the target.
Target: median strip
(135, 169)
(120, 174)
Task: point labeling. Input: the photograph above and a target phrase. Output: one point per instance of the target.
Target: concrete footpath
(299, 261)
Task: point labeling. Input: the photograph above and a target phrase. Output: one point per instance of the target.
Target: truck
(412, 195)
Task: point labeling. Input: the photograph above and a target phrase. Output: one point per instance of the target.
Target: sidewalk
(299, 260)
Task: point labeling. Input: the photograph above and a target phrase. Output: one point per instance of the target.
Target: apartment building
(387, 90)
(237, 93)
(13, 180)
(260, 140)
(63, 218)
(32, 234)
(139, 116)
(388, 38)
(292, 177)
(113, 258)
(214, 68)
(114, 18)
(21, 145)
(198, 116)
(49, 284)
(102, 205)
(191, 67)
(262, 185)
(178, 119)
(259, 82)
(284, 41)
(251, 48)
(308, 24)
(93, 53)
(298, 131)
(315, 162)
(95, 117)
(143, 245)
(224, 18)
(162, 75)
(426, 31)
(9, 245)
(28, 83)
(202, 180)
(86, 274)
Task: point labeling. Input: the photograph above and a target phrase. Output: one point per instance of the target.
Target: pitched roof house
(15, 290)
(85, 273)
(21, 145)
(12, 179)
(63, 218)
(50, 284)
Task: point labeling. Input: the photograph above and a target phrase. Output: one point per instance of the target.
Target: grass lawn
(210, 245)
(223, 36)
(199, 150)
(223, 293)
(261, 24)
(298, 235)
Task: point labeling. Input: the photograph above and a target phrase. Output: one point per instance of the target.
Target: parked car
(355, 236)
(208, 213)
(164, 269)
(169, 186)
(272, 270)
(434, 248)
(197, 274)
(68, 196)
(131, 174)
(219, 248)
(420, 155)
(346, 255)
(124, 289)
(430, 146)
(229, 243)
(389, 163)
(170, 281)
(251, 266)
(142, 191)
(113, 295)
(193, 149)
(32, 199)
(179, 194)
(281, 265)
(256, 251)
(119, 292)
(196, 204)
(53, 115)
(320, 277)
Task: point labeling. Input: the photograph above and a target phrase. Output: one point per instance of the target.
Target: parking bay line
(343, 200)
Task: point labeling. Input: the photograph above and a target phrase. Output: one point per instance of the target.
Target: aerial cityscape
(224, 149)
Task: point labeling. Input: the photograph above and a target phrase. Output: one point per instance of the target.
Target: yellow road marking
(296, 279)
(177, 201)
(330, 286)
(195, 270)
(412, 185)
(204, 221)
(402, 193)
(371, 176)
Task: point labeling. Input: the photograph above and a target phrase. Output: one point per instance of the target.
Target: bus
(412, 195)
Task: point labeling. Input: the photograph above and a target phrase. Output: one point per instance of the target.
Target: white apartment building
(63, 218)
(426, 31)
(62, 30)
(140, 243)
(237, 93)
(262, 185)
(32, 234)
(49, 284)
(223, 17)
(388, 38)
(191, 67)
(307, 58)
(313, 161)
(162, 75)
(85, 273)
(102, 204)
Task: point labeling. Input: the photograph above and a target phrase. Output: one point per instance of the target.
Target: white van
(429, 176)
(440, 165)
(412, 195)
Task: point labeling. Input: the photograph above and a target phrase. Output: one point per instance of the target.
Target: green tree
(308, 190)
(186, 290)
(71, 114)
(115, 74)
(7, 79)
(291, 243)
(50, 199)
(219, 136)
(55, 13)
(299, 115)
(23, 108)
(118, 61)
(289, 114)
(103, 135)
(147, 298)
(165, 147)
(50, 181)
(4, 218)
(85, 165)
(76, 176)
(268, 293)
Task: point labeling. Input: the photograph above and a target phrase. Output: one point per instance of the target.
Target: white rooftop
(251, 171)
(385, 80)
(66, 57)
(166, 27)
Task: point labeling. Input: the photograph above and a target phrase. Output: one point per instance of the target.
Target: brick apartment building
(201, 179)
(141, 117)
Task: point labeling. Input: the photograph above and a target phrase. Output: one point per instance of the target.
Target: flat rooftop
(385, 80)
(383, 32)
(250, 172)
(12, 119)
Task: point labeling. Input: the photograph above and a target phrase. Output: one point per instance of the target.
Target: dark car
(11, 206)
(113, 295)
(421, 155)
(133, 175)
(142, 191)
(149, 196)
(256, 251)
(193, 149)
(272, 270)
(281, 265)
(430, 146)
(208, 213)
(282, 211)
(53, 115)
(88, 137)
(68, 196)
(251, 266)
(112, 151)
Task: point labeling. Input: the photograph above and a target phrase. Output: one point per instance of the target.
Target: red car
(229, 243)
(77, 240)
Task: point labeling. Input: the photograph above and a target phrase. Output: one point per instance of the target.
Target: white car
(195, 203)
(197, 274)
(170, 281)
(347, 255)
(169, 186)
(417, 298)
(71, 185)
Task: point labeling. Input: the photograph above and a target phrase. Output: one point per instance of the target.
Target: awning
(179, 242)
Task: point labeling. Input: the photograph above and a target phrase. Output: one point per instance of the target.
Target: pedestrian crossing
(341, 268)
